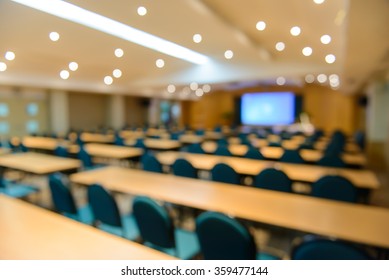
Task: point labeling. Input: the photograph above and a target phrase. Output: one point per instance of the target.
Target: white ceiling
(359, 31)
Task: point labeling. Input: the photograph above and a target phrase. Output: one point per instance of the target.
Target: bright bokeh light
(280, 46)
(142, 11)
(108, 80)
(119, 52)
(261, 25)
(73, 66)
(9, 55)
(307, 51)
(197, 38)
(330, 58)
(160, 63)
(117, 73)
(295, 30)
(281, 81)
(309, 78)
(228, 54)
(64, 74)
(171, 88)
(54, 36)
(325, 39)
(3, 66)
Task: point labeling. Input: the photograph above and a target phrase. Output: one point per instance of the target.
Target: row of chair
(331, 186)
(217, 236)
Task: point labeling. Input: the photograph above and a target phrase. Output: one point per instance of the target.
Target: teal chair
(336, 188)
(273, 179)
(316, 248)
(224, 238)
(61, 151)
(222, 150)
(196, 149)
(291, 156)
(254, 153)
(224, 173)
(107, 216)
(182, 167)
(157, 230)
(151, 163)
(64, 202)
(15, 189)
(331, 160)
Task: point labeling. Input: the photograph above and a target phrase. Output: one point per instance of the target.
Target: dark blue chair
(157, 230)
(331, 160)
(254, 153)
(335, 187)
(139, 143)
(291, 156)
(359, 138)
(64, 202)
(86, 160)
(224, 173)
(314, 248)
(182, 167)
(151, 163)
(224, 238)
(15, 189)
(273, 179)
(107, 216)
(61, 151)
(196, 149)
(222, 150)
(119, 141)
(222, 141)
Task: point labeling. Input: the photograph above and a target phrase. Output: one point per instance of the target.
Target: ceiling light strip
(87, 18)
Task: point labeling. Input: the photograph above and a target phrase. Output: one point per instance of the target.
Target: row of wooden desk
(28, 232)
(357, 223)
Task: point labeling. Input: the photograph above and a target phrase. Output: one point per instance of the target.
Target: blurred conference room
(194, 129)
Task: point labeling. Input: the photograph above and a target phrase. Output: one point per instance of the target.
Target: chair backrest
(85, 158)
(151, 163)
(196, 149)
(335, 187)
(60, 194)
(326, 249)
(154, 223)
(331, 160)
(104, 207)
(139, 143)
(61, 151)
(119, 141)
(224, 238)
(224, 173)
(291, 156)
(182, 167)
(273, 179)
(222, 150)
(254, 153)
(222, 141)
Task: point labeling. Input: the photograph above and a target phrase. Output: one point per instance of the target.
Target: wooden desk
(191, 139)
(32, 233)
(97, 138)
(39, 164)
(44, 143)
(110, 151)
(158, 144)
(357, 223)
(275, 153)
(297, 172)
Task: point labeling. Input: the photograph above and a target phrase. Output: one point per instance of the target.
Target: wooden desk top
(158, 144)
(43, 143)
(97, 138)
(275, 153)
(110, 151)
(353, 222)
(38, 163)
(32, 233)
(296, 172)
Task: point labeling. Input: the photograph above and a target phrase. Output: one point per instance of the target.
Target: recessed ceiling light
(119, 52)
(322, 78)
(73, 66)
(333, 78)
(280, 46)
(295, 30)
(318, 1)
(194, 85)
(206, 88)
(64, 74)
(108, 80)
(9, 55)
(309, 78)
(117, 73)
(261, 25)
(330, 58)
(197, 38)
(281, 81)
(3, 66)
(98, 22)
(228, 54)
(325, 39)
(54, 36)
(142, 11)
(199, 92)
(307, 51)
(171, 88)
(160, 63)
